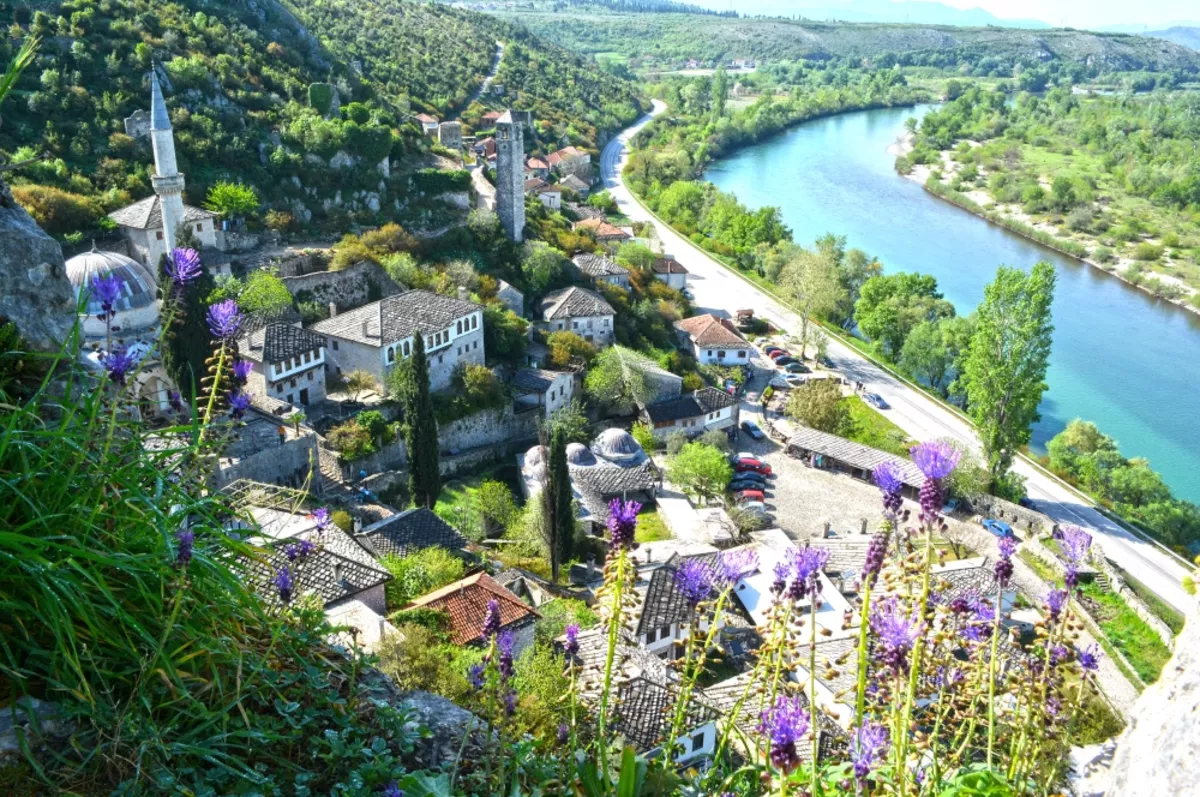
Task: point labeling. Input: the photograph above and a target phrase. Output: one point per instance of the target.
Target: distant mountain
(1186, 36)
(921, 13)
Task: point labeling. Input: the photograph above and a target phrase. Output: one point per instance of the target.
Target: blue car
(875, 400)
(998, 527)
(751, 428)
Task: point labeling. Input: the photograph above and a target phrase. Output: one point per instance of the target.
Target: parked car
(761, 342)
(998, 527)
(737, 485)
(775, 355)
(752, 465)
(786, 360)
(951, 506)
(754, 506)
(744, 496)
(749, 476)
(796, 367)
(794, 380)
(875, 400)
(825, 361)
(780, 382)
(751, 428)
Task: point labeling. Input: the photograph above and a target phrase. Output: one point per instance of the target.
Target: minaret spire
(167, 181)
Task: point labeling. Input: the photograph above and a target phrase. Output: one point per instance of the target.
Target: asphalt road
(718, 290)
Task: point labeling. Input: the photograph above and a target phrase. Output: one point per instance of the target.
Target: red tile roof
(668, 265)
(426, 118)
(536, 163)
(565, 154)
(466, 601)
(708, 330)
(601, 228)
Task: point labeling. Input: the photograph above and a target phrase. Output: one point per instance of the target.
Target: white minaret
(167, 181)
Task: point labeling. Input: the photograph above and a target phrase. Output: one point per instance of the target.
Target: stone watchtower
(167, 181)
(510, 176)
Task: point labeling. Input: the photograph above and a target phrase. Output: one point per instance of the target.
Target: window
(439, 359)
(199, 227)
(698, 741)
(459, 327)
(279, 387)
(158, 235)
(335, 345)
(310, 376)
(476, 345)
(406, 348)
(652, 636)
(742, 354)
(391, 355)
(292, 382)
(721, 354)
(708, 353)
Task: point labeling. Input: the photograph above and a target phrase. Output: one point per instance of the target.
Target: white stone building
(599, 269)
(670, 271)
(548, 390)
(714, 341)
(578, 310)
(692, 413)
(288, 363)
(376, 336)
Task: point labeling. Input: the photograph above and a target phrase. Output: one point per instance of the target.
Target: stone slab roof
(701, 402)
(854, 454)
(411, 531)
(397, 317)
(644, 709)
(601, 228)
(664, 603)
(598, 266)
(276, 343)
(466, 600)
(147, 214)
(573, 302)
(574, 182)
(533, 380)
(712, 332)
(340, 568)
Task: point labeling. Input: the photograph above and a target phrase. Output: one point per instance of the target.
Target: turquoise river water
(1121, 358)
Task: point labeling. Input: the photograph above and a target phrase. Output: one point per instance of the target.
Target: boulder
(37, 296)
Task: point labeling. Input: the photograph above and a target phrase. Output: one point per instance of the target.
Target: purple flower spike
(118, 364)
(224, 319)
(571, 646)
(785, 725)
(393, 790)
(867, 746)
(622, 522)
(564, 733)
(283, 582)
(936, 460)
(183, 265)
(107, 290)
(504, 644)
(241, 370)
(694, 580)
(1008, 546)
(887, 478)
(321, 518)
(186, 539)
(1075, 544)
(896, 630)
(1056, 599)
(1089, 658)
(876, 552)
(510, 703)
(238, 404)
(736, 565)
(807, 564)
(175, 400)
(475, 676)
(491, 620)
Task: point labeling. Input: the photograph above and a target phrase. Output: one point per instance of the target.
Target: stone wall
(35, 293)
(240, 241)
(1015, 515)
(349, 288)
(286, 465)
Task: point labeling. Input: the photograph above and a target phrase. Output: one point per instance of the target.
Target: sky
(1089, 13)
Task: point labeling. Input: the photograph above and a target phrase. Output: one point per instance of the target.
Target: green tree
(1005, 369)
(359, 380)
(560, 521)
(720, 92)
(891, 305)
(420, 573)
(813, 283)
(926, 358)
(504, 333)
(618, 378)
(542, 266)
(644, 436)
(700, 471)
(1082, 452)
(231, 199)
(496, 506)
(818, 404)
(420, 431)
(565, 345)
(264, 292)
(572, 421)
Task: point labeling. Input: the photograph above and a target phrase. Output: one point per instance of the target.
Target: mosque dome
(618, 447)
(137, 307)
(534, 456)
(578, 454)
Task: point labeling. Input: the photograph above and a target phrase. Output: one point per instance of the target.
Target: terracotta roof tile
(708, 330)
(466, 601)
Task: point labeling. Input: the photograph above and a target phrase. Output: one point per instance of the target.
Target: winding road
(719, 290)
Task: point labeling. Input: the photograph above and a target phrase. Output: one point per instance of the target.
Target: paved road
(718, 290)
(486, 85)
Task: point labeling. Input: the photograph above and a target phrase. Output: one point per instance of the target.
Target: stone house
(449, 135)
(609, 235)
(429, 124)
(643, 715)
(512, 298)
(600, 269)
(489, 119)
(485, 148)
(571, 160)
(376, 336)
(693, 413)
(288, 363)
(580, 186)
(713, 340)
(670, 271)
(141, 226)
(410, 531)
(536, 167)
(465, 602)
(578, 310)
(534, 388)
(548, 194)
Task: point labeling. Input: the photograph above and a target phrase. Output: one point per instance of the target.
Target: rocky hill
(1183, 36)
(292, 99)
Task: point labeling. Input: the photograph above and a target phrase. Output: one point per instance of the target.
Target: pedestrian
(282, 434)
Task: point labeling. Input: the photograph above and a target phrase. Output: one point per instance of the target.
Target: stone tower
(167, 181)
(510, 176)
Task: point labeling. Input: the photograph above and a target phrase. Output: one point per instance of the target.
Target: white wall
(711, 356)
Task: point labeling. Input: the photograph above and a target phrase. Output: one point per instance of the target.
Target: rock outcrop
(36, 295)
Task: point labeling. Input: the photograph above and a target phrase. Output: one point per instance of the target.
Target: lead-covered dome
(534, 456)
(137, 306)
(579, 454)
(618, 446)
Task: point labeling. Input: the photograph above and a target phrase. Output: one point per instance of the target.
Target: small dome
(618, 446)
(578, 454)
(534, 456)
(137, 306)
(537, 472)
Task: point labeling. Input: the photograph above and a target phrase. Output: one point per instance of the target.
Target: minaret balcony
(168, 184)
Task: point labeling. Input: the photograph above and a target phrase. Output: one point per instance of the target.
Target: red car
(775, 355)
(748, 495)
(756, 465)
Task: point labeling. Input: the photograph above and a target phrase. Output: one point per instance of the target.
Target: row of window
(296, 362)
(655, 634)
(721, 354)
(292, 382)
(432, 342)
(159, 235)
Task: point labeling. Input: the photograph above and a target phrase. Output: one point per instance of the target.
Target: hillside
(674, 37)
(923, 12)
(237, 78)
(1183, 36)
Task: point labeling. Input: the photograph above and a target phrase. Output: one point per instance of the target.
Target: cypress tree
(420, 434)
(562, 508)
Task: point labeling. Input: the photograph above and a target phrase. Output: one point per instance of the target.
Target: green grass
(1129, 633)
(651, 527)
(457, 505)
(1044, 571)
(870, 427)
(1157, 606)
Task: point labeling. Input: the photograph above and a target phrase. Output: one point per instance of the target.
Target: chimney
(337, 572)
(365, 333)
(826, 533)
(463, 293)
(332, 309)
(864, 525)
(358, 525)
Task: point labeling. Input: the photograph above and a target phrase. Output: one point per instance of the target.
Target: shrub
(420, 573)
(341, 518)
(1147, 252)
(818, 404)
(231, 199)
(280, 221)
(56, 211)
(1103, 254)
(644, 436)
(320, 97)
(675, 442)
(351, 440)
(692, 381)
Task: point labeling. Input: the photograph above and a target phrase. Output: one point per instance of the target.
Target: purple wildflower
(504, 644)
(975, 633)
(392, 789)
(1058, 655)
(224, 319)
(564, 732)
(238, 404)
(622, 522)
(876, 552)
(807, 564)
(887, 478)
(186, 539)
(936, 460)
(897, 631)
(106, 290)
(785, 725)
(510, 703)
(982, 610)
(866, 748)
(1056, 599)
(321, 518)
(1089, 658)
(118, 364)
(241, 370)
(694, 580)
(1008, 546)
(475, 676)
(1003, 571)
(571, 646)
(183, 265)
(175, 400)
(781, 576)
(1075, 544)
(736, 565)
(283, 581)
(491, 620)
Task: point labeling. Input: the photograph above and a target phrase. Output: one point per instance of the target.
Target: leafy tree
(557, 614)
(720, 92)
(264, 292)
(925, 357)
(813, 283)
(618, 378)
(420, 431)
(496, 506)
(231, 199)
(700, 471)
(1005, 369)
(420, 573)
(644, 436)
(358, 381)
(571, 421)
(542, 266)
(892, 305)
(541, 681)
(295, 419)
(565, 345)
(818, 404)
(504, 333)
(1083, 452)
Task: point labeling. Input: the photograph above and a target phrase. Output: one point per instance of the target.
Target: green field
(870, 427)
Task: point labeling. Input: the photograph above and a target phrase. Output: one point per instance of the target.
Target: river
(1121, 358)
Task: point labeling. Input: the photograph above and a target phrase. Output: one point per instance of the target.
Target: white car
(786, 381)
(754, 506)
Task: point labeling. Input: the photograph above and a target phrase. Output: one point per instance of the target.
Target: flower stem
(614, 629)
(861, 702)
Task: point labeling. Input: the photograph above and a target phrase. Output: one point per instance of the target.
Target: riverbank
(1015, 220)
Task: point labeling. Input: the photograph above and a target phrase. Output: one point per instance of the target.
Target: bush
(351, 440)
(644, 436)
(56, 211)
(420, 573)
(1103, 254)
(675, 442)
(818, 404)
(279, 220)
(341, 518)
(231, 199)
(1147, 252)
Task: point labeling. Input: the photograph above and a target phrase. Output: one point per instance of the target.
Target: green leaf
(422, 784)
(633, 772)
